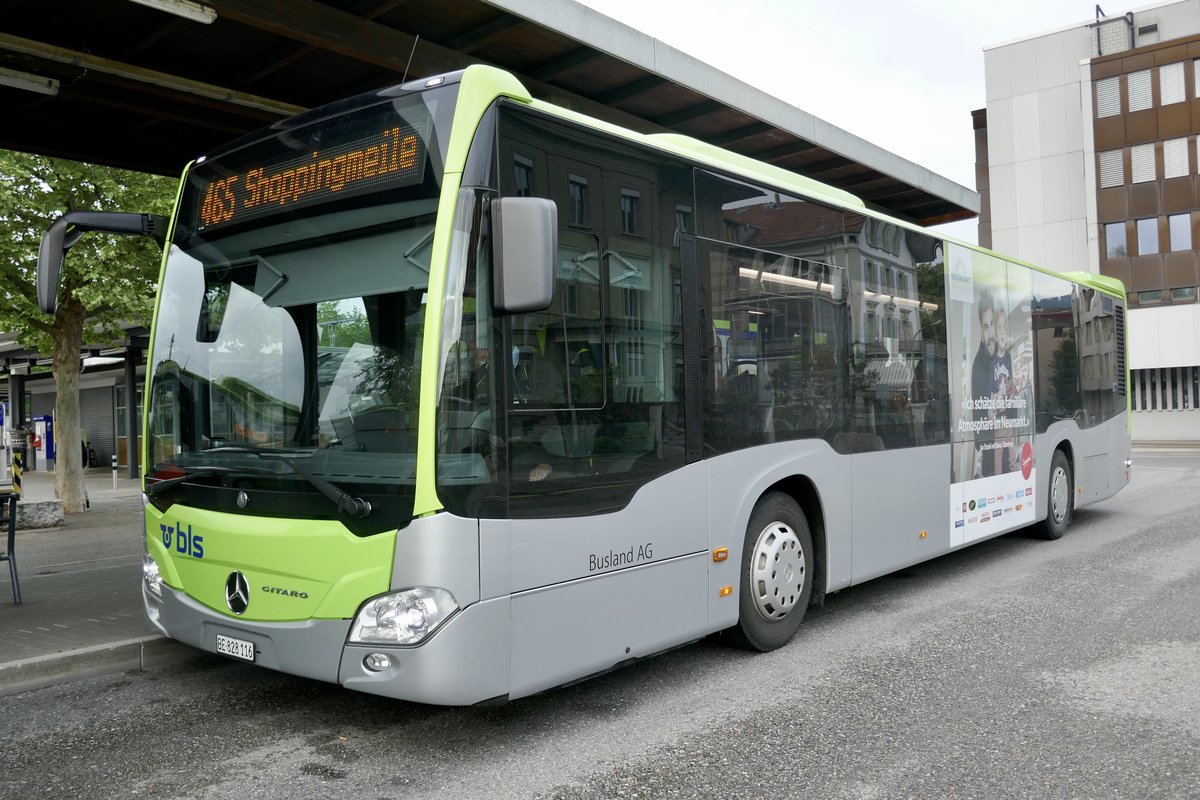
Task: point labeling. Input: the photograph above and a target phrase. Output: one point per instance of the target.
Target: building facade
(1087, 160)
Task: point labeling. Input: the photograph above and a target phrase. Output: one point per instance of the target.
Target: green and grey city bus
(456, 396)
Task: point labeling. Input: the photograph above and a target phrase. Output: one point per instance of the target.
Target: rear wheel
(1060, 497)
(776, 577)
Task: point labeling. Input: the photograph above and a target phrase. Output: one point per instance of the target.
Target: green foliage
(342, 324)
(931, 289)
(111, 277)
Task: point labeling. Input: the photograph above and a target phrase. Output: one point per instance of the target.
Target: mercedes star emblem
(237, 593)
(242, 499)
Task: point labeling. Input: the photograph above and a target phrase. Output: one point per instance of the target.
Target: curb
(41, 671)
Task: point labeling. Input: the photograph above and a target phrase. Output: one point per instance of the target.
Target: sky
(903, 75)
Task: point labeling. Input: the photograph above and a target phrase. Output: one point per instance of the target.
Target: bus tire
(1060, 497)
(776, 576)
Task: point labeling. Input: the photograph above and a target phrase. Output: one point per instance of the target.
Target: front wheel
(777, 574)
(1060, 497)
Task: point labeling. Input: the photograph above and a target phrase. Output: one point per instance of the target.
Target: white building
(1087, 160)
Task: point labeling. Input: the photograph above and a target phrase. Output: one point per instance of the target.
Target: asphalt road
(1016, 668)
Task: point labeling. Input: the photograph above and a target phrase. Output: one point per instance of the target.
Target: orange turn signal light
(922, 534)
(726, 591)
(721, 554)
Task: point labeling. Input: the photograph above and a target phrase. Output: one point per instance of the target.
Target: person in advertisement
(982, 373)
(1002, 389)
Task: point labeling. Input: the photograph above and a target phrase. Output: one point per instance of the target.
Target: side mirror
(524, 252)
(66, 231)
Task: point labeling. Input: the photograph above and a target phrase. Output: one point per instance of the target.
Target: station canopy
(152, 84)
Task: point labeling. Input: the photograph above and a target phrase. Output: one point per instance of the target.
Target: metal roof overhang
(146, 90)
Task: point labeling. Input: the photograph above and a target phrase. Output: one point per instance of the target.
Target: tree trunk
(68, 465)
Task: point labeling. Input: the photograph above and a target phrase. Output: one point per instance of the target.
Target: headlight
(150, 575)
(406, 617)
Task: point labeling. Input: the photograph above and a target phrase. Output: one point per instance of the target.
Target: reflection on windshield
(366, 404)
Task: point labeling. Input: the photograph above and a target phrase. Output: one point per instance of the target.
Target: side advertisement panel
(991, 384)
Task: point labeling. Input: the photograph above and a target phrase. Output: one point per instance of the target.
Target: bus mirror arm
(66, 231)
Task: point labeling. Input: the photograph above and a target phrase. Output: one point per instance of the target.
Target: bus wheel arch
(782, 565)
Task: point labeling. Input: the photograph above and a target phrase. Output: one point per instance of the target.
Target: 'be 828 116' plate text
(238, 648)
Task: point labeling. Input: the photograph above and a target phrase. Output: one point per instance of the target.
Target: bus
(456, 396)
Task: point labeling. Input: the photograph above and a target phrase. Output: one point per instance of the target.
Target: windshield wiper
(346, 503)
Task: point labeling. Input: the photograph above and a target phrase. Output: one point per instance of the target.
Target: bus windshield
(286, 351)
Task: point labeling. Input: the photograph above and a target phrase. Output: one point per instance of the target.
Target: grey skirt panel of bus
(310, 649)
(465, 662)
(901, 509)
(567, 632)
(441, 550)
(1097, 455)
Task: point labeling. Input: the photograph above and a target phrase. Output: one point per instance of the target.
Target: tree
(106, 279)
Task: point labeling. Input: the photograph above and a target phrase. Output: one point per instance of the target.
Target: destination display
(383, 159)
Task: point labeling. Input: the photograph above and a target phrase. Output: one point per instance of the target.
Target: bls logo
(185, 542)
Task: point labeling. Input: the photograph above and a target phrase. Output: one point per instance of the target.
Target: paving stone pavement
(81, 590)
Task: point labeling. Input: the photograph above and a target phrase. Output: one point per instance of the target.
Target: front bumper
(465, 662)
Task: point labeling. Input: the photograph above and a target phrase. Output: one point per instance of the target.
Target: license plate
(227, 645)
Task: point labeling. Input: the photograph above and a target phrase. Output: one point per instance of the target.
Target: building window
(1108, 97)
(1141, 162)
(577, 189)
(1187, 295)
(1112, 169)
(523, 176)
(1147, 236)
(635, 363)
(871, 281)
(1114, 239)
(1170, 84)
(1141, 96)
(1175, 157)
(683, 221)
(1180, 226)
(1149, 298)
(570, 300)
(631, 200)
(632, 302)
(901, 285)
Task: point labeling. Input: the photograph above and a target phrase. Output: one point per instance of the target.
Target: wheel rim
(1058, 494)
(777, 571)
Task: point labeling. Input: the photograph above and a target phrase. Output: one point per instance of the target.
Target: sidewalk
(81, 587)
